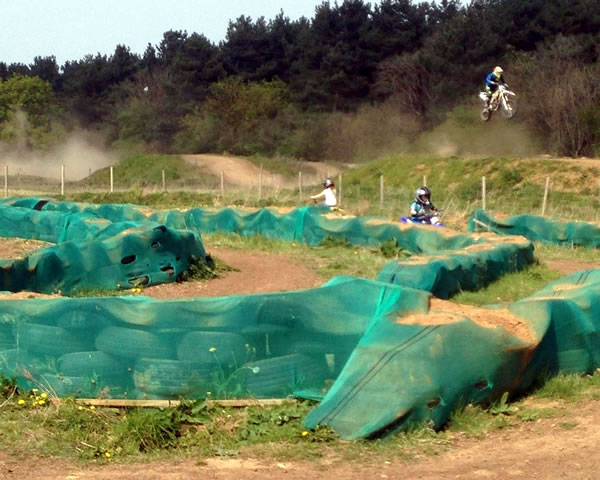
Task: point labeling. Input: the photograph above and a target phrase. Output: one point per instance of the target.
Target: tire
(280, 376)
(510, 111)
(91, 364)
(133, 343)
(171, 378)
(48, 340)
(485, 114)
(229, 353)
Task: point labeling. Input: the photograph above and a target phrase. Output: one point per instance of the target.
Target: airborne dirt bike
(503, 100)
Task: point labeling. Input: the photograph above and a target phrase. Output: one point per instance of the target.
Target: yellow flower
(34, 390)
(304, 433)
(21, 402)
(212, 349)
(79, 407)
(42, 402)
(208, 394)
(92, 408)
(107, 454)
(44, 395)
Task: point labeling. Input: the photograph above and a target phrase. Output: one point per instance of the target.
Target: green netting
(403, 374)
(92, 252)
(385, 370)
(454, 272)
(539, 229)
(310, 225)
(137, 347)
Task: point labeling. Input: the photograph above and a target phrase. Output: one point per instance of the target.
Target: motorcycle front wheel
(485, 114)
(509, 109)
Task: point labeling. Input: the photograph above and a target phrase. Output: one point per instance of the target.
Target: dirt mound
(13, 248)
(443, 312)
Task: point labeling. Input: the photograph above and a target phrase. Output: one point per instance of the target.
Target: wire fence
(372, 195)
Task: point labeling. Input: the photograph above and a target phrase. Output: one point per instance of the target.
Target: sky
(71, 29)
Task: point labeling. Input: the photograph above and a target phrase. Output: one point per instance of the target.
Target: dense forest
(288, 86)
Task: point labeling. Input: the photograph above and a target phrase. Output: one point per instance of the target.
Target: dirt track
(239, 172)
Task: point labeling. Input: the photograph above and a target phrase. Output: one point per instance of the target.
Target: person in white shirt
(328, 194)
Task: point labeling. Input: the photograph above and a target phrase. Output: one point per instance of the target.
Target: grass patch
(569, 387)
(554, 252)
(195, 429)
(334, 258)
(510, 287)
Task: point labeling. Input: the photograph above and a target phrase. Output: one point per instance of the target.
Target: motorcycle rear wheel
(485, 114)
(510, 110)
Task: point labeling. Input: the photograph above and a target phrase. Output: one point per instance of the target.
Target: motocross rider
(421, 209)
(492, 81)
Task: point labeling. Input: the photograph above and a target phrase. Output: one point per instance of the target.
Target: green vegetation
(335, 257)
(144, 170)
(510, 287)
(354, 80)
(199, 429)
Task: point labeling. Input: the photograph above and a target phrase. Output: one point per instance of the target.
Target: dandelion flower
(107, 454)
(92, 408)
(21, 402)
(44, 395)
(304, 433)
(34, 390)
(212, 349)
(41, 402)
(79, 407)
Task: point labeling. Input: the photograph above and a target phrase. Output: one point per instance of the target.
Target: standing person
(492, 81)
(328, 194)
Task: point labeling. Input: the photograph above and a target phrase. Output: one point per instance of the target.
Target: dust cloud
(78, 153)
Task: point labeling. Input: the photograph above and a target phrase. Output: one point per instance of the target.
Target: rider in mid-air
(421, 209)
(492, 81)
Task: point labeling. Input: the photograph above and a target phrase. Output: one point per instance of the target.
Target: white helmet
(498, 70)
(328, 183)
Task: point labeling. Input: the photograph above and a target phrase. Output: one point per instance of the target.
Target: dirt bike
(434, 219)
(503, 100)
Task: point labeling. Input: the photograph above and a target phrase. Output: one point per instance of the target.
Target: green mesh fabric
(239, 346)
(456, 271)
(352, 343)
(539, 229)
(93, 253)
(400, 374)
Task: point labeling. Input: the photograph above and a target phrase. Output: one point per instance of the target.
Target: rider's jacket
(493, 80)
(420, 211)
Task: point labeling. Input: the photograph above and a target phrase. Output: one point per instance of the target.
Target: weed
(391, 249)
(332, 242)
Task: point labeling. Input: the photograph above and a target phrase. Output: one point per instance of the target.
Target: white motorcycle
(504, 99)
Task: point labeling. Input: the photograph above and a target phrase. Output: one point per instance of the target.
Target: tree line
(281, 86)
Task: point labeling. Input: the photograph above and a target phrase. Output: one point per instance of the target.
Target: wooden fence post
(62, 179)
(340, 189)
(164, 181)
(260, 175)
(222, 185)
(381, 192)
(424, 180)
(483, 193)
(545, 196)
